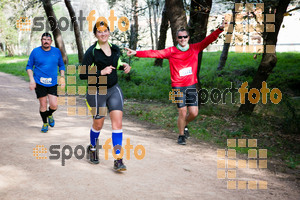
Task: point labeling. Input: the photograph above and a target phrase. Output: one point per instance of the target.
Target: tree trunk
(19, 50)
(162, 35)
(134, 26)
(29, 42)
(76, 30)
(1, 46)
(177, 16)
(136, 22)
(224, 55)
(199, 13)
(150, 24)
(59, 43)
(269, 60)
(154, 7)
(10, 50)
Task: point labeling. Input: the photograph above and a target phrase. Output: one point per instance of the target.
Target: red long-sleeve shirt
(183, 64)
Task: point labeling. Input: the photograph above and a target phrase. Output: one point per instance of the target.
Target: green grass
(13, 65)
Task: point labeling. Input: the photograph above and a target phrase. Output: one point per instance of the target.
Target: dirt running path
(168, 171)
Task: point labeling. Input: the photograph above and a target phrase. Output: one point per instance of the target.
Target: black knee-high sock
(50, 111)
(44, 116)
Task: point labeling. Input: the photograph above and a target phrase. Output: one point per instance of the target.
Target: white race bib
(46, 80)
(185, 71)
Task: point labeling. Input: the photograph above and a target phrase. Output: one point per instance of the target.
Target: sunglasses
(185, 36)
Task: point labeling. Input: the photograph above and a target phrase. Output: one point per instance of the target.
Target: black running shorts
(42, 91)
(112, 100)
(189, 96)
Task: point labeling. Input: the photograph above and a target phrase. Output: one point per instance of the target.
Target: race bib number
(46, 80)
(185, 71)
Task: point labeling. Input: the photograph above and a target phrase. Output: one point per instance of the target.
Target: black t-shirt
(97, 57)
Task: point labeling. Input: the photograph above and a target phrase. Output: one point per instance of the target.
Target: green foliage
(290, 124)
(286, 74)
(8, 31)
(146, 81)
(293, 162)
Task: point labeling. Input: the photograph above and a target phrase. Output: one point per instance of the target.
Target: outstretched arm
(130, 52)
(165, 53)
(209, 39)
(222, 25)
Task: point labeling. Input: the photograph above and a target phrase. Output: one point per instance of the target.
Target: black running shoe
(92, 154)
(186, 132)
(119, 165)
(181, 140)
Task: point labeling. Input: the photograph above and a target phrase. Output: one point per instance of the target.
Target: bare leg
(116, 119)
(193, 112)
(98, 124)
(181, 122)
(43, 103)
(52, 101)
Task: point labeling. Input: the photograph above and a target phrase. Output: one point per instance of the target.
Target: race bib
(46, 80)
(185, 71)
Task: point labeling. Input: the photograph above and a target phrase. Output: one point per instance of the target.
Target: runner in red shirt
(183, 60)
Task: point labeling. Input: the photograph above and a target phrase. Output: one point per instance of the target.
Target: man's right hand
(130, 52)
(222, 25)
(32, 85)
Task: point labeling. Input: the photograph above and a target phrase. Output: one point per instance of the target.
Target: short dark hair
(99, 23)
(47, 35)
(181, 30)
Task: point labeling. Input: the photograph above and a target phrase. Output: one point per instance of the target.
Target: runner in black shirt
(101, 62)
